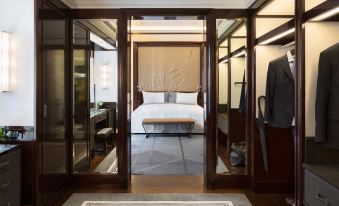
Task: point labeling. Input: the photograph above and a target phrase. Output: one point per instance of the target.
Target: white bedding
(168, 110)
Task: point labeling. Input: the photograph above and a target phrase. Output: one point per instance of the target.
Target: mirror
(95, 87)
(231, 96)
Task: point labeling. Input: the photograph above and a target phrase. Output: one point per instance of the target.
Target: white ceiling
(217, 4)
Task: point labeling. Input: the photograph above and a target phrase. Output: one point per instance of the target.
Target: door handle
(323, 199)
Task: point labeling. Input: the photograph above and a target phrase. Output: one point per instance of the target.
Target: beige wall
(223, 83)
(264, 25)
(238, 66)
(309, 4)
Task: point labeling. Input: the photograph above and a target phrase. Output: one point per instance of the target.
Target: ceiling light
(5, 61)
(99, 41)
(279, 36)
(326, 14)
(243, 52)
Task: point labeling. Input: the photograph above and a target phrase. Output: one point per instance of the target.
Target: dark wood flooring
(178, 184)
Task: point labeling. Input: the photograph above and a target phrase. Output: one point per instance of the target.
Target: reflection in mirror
(231, 99)
(95, 69)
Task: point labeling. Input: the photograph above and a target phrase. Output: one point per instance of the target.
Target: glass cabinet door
(81, 144)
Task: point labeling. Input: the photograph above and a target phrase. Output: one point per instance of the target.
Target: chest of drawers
(321, 185)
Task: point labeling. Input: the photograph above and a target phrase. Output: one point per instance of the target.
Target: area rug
(172, 155)
(158, 199)
(109, 164)
(158, 203)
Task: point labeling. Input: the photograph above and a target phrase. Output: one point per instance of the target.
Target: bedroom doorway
(167, 100)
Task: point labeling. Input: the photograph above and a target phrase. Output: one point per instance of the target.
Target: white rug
(157, 199)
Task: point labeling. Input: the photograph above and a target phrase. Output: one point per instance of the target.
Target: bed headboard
(167, 67)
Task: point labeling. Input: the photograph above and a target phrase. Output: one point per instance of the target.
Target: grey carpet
(173, 199)
(170, 156)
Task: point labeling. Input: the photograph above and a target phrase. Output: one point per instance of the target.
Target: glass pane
(95, 96)
(80, 95)
(54, 150)
(231, 96)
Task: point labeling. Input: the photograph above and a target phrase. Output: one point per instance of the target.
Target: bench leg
(106, 145)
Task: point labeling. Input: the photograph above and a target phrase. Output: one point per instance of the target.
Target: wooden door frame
(212, 180)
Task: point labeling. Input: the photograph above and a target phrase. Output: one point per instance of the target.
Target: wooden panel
(280, 150)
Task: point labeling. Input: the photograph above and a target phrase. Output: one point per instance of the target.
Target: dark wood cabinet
(10, 176)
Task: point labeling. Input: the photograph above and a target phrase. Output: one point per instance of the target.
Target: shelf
(237, 53)
(278, 36)
(322, 8)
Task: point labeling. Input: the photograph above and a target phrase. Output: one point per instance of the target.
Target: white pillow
(153, 97)
(187, 98)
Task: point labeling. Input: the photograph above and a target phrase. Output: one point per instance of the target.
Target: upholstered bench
(103, 135)
(186, 123)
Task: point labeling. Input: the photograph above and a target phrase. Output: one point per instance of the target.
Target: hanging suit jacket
(327, 97)
(279, 107)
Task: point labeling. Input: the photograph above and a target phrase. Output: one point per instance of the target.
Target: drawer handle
(3, 186)
(323, 199)
(3, 164)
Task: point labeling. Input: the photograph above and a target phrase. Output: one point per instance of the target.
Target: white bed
(168, 110)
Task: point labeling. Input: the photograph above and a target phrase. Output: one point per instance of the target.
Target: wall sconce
(105, 76)
(5, 61)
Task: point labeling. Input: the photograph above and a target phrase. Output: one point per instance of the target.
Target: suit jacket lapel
(284, 63)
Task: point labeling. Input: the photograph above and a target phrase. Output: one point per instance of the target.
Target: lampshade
(5, 61)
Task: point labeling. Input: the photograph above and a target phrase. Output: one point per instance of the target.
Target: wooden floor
(179, 184)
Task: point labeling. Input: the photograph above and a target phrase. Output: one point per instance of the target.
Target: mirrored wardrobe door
(80, 98)
(231, 96)
(95, 87)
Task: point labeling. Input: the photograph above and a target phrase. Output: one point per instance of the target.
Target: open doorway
(167, 95)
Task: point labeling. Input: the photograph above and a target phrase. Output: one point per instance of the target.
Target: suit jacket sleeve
(270, 84)
(322, 98)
